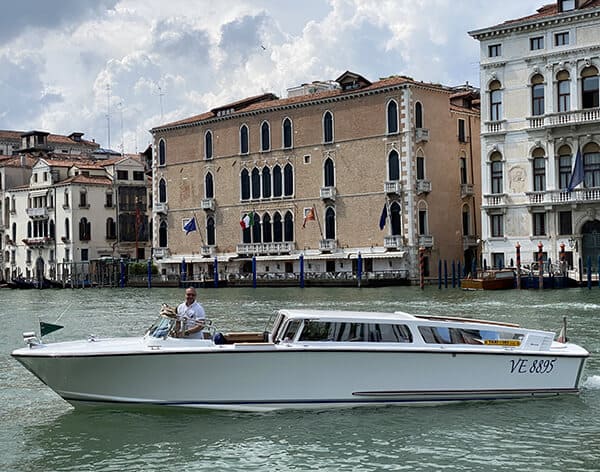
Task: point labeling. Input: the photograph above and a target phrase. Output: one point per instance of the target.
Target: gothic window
(392, 117)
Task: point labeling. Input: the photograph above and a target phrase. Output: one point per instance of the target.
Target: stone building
(540, 110)
(314, 174)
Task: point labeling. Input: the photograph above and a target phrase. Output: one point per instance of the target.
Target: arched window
(162, 191)
(589, 88)
(420, 165)
(288, 180)
(256, 229)
(277, 181)
(393, 166)
(539, 170)
(288, 227)
(85, 230)
(418, 115)
(537, 95)
(392, 117)
(564, 166)
(466, 219)
(245, 184)
(255, 183)
(265, 136)
(111, 229)
(423, 223)
(208, 145)
(162, 152)
(330, 223)
(496, 173)
(209, 187)
(591, 165)
(210, 231)
(244, 147)
(246, 233)
(563, 86)
(287, 133)
(495, 101)
(162, 234)
(266, 182)
(266, 229)
(395, 219)
(67, 229)
(463, 171)
(328, 127)
(328, 173)
(277, 228)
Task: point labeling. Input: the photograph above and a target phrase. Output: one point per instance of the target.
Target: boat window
(290, 330)
(161, 327)
(355, 332)
(443, 335)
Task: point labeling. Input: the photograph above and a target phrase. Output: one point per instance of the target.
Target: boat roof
(347, 315)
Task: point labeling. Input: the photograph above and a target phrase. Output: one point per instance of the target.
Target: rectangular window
(498, 260)
(565, 225)
(536, 43)
(109, 200)
(537, 99)
(420, 168)
(422, 222)
(539, 174)
(539, 224)
(494, 50)
(84, 254)
(566, 5)
(497, 184)
(462, 138)
(82, 199)
(564, 171)
(67, 254)
(122, 175)
(561, 39)
(590, 95)
(497, 224)
(138, 175)
(28, 260)
(495, 105)
(564, 95)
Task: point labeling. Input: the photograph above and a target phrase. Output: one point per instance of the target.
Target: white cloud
(191, 55)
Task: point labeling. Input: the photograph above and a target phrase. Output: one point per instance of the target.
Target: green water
(43, 433)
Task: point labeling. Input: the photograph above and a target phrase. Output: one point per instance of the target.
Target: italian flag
(247, 221)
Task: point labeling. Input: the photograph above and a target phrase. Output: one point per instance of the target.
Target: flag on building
(309, 216)
(383, 217)
(578, 173)
(247, 220)
(190, 226)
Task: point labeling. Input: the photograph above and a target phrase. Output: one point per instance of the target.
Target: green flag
(47, 328)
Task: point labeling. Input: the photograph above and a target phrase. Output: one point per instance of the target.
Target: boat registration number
(527, 366)
(502, 342)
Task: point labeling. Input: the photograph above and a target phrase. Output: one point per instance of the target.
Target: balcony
(393, 242)
(208, 204)
(466, 190)
(495, 127)
(566, 118)
(496, 200)
(37, 213)
(207, 251)
(425, 240)
(562, 197)
(423, 186)
(160, 252)
(328, 193)
(421, 135)
(39, 242)
(469, 241)
(392, 187)
(327, 245)
(161, 208)
(251, 249)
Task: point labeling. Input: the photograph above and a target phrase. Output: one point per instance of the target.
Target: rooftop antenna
(160, 96)
(108, 114)
(120, 105)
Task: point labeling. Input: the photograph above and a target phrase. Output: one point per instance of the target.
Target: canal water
(41, 432)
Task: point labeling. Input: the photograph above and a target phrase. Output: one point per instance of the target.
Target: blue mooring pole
(253, 271)
(216, 272)
(459, 274)
(589, 272)
(445, 273)
(440, 274)
(122, 275)
(301, 270)
(149, 273)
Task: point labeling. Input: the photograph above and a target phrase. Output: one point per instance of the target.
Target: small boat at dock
(311, 359)
(501, 279)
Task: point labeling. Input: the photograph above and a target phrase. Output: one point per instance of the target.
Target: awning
(325, 256)
(38, 193)
(378, 255)
(278, 257)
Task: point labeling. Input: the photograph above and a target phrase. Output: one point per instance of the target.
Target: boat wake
(592, 382)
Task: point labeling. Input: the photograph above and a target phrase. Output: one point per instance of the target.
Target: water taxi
(311, 359)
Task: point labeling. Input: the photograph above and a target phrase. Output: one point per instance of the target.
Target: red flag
(310, 216)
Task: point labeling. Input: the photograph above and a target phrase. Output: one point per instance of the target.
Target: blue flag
(578, 173)
(190, 226)
(383, 217)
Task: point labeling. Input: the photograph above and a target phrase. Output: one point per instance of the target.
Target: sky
(114, 69)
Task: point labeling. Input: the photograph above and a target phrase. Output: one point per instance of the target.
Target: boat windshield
(161, 327)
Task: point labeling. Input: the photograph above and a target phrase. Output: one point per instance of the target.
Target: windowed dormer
(567, 5)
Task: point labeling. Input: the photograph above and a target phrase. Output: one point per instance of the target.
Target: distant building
(540, 107)
(14, 142)
(311, 175)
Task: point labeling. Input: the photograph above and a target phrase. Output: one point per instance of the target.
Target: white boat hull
(278, 376)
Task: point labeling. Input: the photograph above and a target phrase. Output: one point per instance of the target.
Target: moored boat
(490, 280)
(312, 359)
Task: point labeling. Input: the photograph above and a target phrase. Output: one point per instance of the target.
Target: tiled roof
(15, 161)
(52, 138)
(82, 179)
(550, 10)
(265, 104)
